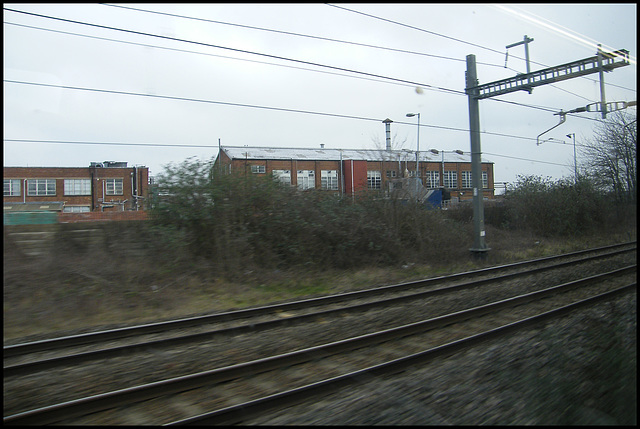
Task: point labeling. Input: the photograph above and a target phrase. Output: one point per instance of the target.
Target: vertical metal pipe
(479, 244)
(526, 52)
(387, 124)
(341, 176)
(603, 99)
(575, 161)
(417, 159)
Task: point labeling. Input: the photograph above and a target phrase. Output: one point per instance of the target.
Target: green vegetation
(249, 222)
(226, 241)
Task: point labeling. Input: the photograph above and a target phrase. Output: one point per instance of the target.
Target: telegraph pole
(600, 63)
(479, 246)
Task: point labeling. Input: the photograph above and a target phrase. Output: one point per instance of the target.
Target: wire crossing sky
(158, 83)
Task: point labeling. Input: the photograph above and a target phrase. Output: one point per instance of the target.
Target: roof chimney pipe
(387, 123)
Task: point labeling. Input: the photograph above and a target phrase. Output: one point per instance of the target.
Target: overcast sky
(205, 76)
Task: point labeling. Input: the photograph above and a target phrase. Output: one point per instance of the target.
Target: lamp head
(409, 115)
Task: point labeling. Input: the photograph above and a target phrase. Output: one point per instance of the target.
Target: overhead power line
(526, 159)
(224, 103)
(548, 109)
(415, 28)
(110, 143)
(289, 33)
(197, 100)
(325, 39)
(212, 147)
(146, 45)
(424, 85)
(457, 40)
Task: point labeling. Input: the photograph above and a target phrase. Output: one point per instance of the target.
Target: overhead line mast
(603, 61)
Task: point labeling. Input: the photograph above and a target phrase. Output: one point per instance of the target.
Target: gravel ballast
(564, 372)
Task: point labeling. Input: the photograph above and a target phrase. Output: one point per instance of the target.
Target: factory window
(466, 179)
(485, 179)
(11, 187)
(392, 173)
(450, 179)
(433, 179)
(374, 179)
(258, 169)
(77, 186)
(329, 179)
(283, 176)
(76, 209)
(41, 187)
(114, 186)
(306, 179)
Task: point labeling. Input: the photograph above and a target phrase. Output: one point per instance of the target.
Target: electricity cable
(235, 50)
(215, 147)
(404, 51)
(456, 40)
(146, 45)
(415, 28)
(321, 38)
(107, 91)
(549, 109)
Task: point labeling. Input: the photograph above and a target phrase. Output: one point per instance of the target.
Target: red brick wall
(244, 166)
(97, 174)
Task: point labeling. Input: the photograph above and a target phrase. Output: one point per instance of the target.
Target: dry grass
(81, 289)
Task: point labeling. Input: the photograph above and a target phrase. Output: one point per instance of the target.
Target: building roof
(323, 154)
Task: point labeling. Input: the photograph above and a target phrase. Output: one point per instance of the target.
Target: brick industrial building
(348, 171)
(102, 187)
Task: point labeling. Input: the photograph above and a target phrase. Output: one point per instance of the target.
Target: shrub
(555, 208)
(244, 222)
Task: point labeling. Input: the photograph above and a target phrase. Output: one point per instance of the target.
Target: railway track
(194, 383)
(470, 279)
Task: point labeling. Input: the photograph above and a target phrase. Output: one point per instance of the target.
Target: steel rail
(100, 402)
(93, 337)
(44, 364)
(239, 413)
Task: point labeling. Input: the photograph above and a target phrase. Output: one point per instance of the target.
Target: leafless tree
(610, 156)
(396, 142)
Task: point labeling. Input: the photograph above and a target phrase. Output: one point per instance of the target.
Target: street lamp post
(436, 151)
(575, 164)
(410, 115)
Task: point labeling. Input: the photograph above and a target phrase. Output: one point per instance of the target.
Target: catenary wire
(215, 147)
(146, 45)
(311, 112)
(548, 109)
(432, 87)
(414, 28)
(325, 39)
(235, 50)
(110, 143)
(427, 86)
(527, 159)
(457, 40)
(404, 51)
(107, 91)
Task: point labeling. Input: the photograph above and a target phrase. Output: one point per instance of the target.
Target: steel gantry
(527, 81)
(600, 63)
